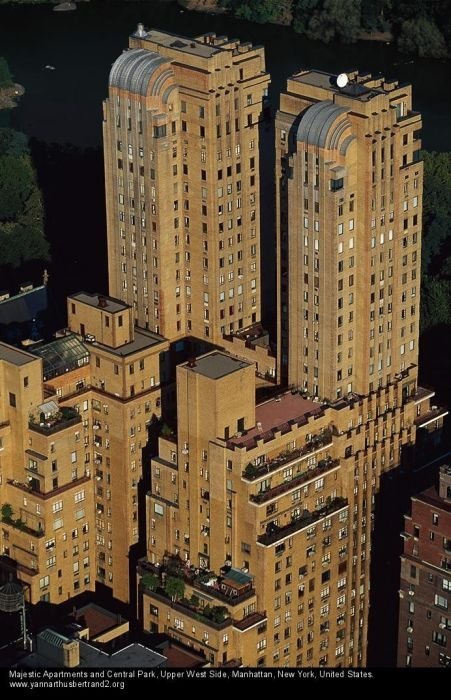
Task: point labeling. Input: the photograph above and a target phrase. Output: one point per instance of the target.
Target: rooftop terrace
(277, 414)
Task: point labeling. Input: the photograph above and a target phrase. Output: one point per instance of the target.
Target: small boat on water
(48, 67)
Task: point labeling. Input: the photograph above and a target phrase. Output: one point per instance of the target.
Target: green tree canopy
(12, 143)
(421, 36)
(338, 19)
(174, 587)
(436, 210)
(260, 10)
(16, 184)
(22, 237)
(6, 79)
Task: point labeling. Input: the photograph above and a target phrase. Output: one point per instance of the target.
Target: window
(439, 638)
(12, 399)
(440, 601)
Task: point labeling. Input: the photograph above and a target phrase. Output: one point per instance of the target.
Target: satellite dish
(342, 80)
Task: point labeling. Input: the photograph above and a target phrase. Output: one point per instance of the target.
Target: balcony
(48, 423)
(30, 489)
(410, 118)
(250, 621)
(275, 533)
(196, 613)
(18, 524)
(422, 393)
(318, 442)
(323, 467)
(430, 416)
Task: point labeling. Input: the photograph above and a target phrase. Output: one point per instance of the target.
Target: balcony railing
(193, 579)
(307, 518)
(322, 467)
(65, 418)
(194, 613)
(430, 416)
(318, 442)
(48, 494)
(19, 525)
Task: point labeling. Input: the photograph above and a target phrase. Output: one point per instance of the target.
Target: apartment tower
(264, 512)
(349, 199)
(181, 142)
(425, 590)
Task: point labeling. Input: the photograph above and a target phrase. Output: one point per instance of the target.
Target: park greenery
(421, 27)
(22, 237)
(436, 249)
(5, 75)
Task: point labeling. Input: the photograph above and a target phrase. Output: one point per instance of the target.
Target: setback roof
(143, 339)
(276, 414)
(216, 365)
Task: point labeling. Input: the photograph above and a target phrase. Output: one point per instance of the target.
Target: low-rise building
(74, 417)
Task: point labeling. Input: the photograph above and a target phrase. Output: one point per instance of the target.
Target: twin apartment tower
(259, 516)
(182, 167)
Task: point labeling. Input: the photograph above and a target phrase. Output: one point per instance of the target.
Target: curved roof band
(135, 69)
(323, 125)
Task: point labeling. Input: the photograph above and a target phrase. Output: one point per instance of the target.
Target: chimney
(102, 301)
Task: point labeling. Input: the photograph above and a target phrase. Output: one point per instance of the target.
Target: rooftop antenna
(342, 80)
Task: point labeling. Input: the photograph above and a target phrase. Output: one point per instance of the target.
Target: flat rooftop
(143, 339)
(432, 498)
(98, 619)
(15, 356)
(178, 657)
(109, 304)
(356, 87)
(182, 43)
(216, 365)
(275, 414)
(132, 656)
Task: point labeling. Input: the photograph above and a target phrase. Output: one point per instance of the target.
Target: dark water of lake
(64, 105)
